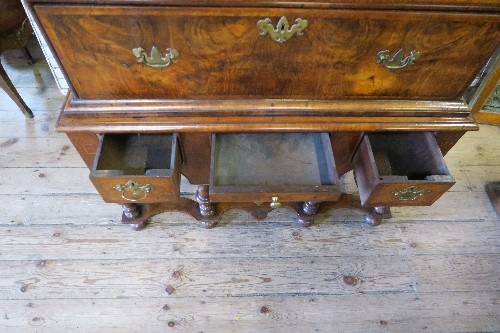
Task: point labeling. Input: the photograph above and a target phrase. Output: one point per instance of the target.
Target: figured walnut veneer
(223, 56)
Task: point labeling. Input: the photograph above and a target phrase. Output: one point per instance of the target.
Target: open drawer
(400, 169)
(137, 167)
(259, 166)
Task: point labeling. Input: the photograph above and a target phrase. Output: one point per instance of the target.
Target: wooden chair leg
(9, 88)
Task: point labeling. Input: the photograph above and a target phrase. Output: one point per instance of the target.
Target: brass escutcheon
(133, 191)
(156, 60)
(397, 61)
(275, 203)
(283, 31)
(410, 193)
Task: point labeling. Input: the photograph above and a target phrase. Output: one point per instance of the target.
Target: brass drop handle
(397, 61)
(156, 59)
(275, 203)
(410, 193)
(283, 30)
(133, 191)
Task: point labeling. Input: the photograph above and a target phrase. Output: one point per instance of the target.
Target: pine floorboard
(67, 264)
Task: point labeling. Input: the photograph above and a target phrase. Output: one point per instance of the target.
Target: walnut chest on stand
(266, 104)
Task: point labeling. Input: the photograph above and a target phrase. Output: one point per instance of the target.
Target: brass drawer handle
(283, 31)
(133, 191)
(397, 61)
(156, 60)
(275, 203)
(410, 193)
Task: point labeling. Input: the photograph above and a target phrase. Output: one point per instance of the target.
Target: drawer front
(136, 188)
(231, 52)
(400, 169)
(265, 167)
(271, 194)
(119, 181)
(408, 193)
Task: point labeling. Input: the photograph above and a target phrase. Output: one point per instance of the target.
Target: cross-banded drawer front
(244, 53)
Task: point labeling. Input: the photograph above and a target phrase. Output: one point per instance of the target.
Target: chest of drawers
(268, 101)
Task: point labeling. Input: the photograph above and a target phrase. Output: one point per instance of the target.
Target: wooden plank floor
(68, 265)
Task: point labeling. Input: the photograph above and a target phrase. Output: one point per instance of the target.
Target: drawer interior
(411, 156)
(271, 163)
(137, 167)
(136, 154)
(400, 169)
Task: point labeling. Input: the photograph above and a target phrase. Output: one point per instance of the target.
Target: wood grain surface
(223, 55)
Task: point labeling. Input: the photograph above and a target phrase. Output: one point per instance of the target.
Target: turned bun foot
(306, 212)
(381, 210)
(374, 215)
(131, 211)
(310, 207)
(206, 208)
(133, 215)
(372, 221)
